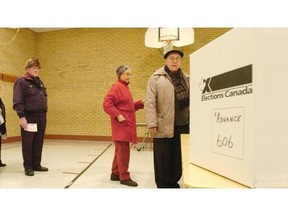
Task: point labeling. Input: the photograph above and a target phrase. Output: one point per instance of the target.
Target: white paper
(1, 119)
(31, 127)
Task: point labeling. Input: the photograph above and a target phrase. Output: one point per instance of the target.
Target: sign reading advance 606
(228, 131)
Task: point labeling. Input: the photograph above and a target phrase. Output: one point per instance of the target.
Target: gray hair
(120, 70)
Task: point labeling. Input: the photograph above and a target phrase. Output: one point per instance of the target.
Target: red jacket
(119, 100)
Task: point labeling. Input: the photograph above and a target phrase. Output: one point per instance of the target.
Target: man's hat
(173, 51)
(32, 62)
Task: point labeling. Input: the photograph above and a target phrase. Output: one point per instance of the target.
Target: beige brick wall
(13, 56)
(78, 68)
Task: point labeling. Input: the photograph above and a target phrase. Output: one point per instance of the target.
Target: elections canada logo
(237, 82)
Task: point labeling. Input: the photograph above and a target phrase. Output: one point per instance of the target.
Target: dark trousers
(168, 160)
(32, 142)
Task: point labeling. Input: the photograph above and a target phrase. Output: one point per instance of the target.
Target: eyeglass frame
(177, 59)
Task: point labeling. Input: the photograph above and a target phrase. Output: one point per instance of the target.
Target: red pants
(121, 160)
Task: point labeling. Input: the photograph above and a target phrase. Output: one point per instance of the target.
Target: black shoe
(2, 164)
(29, 172)
(114, 177)
(129, 182)
(40, 168)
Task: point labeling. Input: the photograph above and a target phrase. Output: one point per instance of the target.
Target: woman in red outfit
(119, 104)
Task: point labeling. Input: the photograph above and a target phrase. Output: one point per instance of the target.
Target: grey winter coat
(160, 103)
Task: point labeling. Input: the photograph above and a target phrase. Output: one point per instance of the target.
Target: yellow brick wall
(13, 55)
(78, 68)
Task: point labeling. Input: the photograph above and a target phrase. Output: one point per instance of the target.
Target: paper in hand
(1, 119)
(31, 127)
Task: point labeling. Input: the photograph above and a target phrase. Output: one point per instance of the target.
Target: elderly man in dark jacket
(30, 103)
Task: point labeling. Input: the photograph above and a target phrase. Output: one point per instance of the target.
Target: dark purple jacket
(29, 96)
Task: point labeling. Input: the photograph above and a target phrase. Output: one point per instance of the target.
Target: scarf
(181, 91)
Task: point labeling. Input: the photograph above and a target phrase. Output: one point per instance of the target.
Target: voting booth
(239, 106)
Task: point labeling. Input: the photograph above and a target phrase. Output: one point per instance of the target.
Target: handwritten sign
(228, 131)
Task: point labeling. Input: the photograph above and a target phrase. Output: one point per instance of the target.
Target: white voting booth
(239, 106)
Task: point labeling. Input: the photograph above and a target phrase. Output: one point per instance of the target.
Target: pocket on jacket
(31, 90)
(161, 122)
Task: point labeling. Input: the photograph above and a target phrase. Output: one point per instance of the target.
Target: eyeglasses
(178, 59)
(127, 73)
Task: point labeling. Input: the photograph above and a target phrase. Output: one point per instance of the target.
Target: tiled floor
(75, 164)
(78, 182)
(83, 168)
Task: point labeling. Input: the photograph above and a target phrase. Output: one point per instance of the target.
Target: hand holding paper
(31, 127)
(1, 119)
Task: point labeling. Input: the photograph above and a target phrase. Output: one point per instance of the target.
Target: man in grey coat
(167, 114)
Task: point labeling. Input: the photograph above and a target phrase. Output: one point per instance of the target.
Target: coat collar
(123, 82)
(28, 76)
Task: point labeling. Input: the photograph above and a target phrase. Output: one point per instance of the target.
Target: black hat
(173, 51)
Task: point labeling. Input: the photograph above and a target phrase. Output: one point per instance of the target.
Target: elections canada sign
(228, 122)
(233, 83)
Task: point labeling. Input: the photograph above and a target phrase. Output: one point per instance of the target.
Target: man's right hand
(23, 122)
(153, 130)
